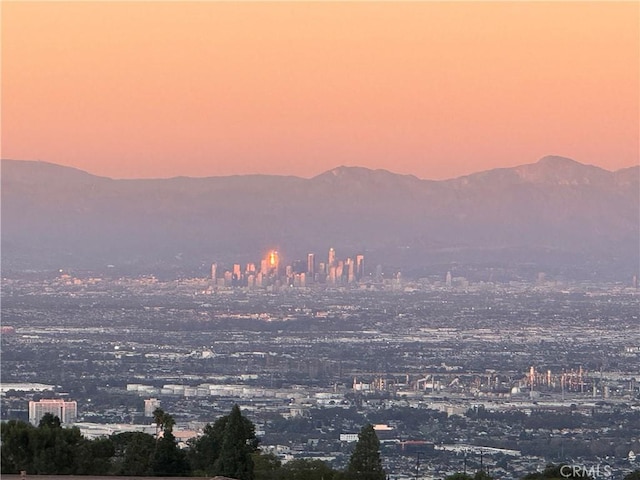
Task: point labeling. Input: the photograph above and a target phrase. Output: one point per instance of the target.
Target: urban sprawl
(454, 374)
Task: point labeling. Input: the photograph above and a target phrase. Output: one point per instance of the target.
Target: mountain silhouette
(555, 210)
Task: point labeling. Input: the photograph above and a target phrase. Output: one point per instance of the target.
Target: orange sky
(158, 89)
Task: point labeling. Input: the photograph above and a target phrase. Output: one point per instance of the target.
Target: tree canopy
(226, 447)
(365, 462)
(51, 449)
(479, 475)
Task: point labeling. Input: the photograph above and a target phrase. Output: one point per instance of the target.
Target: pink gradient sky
(435, 89)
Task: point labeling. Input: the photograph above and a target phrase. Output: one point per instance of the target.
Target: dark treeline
(228, 447)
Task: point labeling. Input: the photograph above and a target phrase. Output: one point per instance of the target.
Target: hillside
(60, 217)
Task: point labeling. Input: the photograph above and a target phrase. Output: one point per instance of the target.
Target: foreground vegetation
(228, 448)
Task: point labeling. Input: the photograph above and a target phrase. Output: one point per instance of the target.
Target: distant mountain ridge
(57, 217)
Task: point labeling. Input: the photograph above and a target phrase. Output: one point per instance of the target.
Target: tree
(48, 449)
(164, 422)
(93, 457)
(55, 449)
(133, 453)
(168, 459)
(51, 449)
(307, 469)
(231, 436)
(234, 459)
(16, 454)
(365, 463)
(480, 475)
(49, 420)
(266, 466)
(205, 450)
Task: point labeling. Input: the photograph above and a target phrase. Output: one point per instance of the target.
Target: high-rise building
(214, 268)
(350, 271)
(332, 276)
(150, 405)
(273, 259)
(322, 268)
(359, 267)
(273, 263)
(332, 258)
(311, 265)
(448, 279)
(299, 266)
(67, 412)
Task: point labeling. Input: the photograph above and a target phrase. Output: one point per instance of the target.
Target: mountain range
(553, 212)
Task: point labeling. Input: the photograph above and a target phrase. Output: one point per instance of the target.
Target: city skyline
(271, 271)
(393, 219)
(432, 89)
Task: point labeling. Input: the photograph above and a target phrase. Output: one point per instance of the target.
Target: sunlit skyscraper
(322, 268)
(359, 267)
(270, 266)
(274, 260)
(332, 276)
(311, 264)
(350, 266)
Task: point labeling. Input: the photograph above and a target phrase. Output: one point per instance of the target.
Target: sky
(434, 89)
